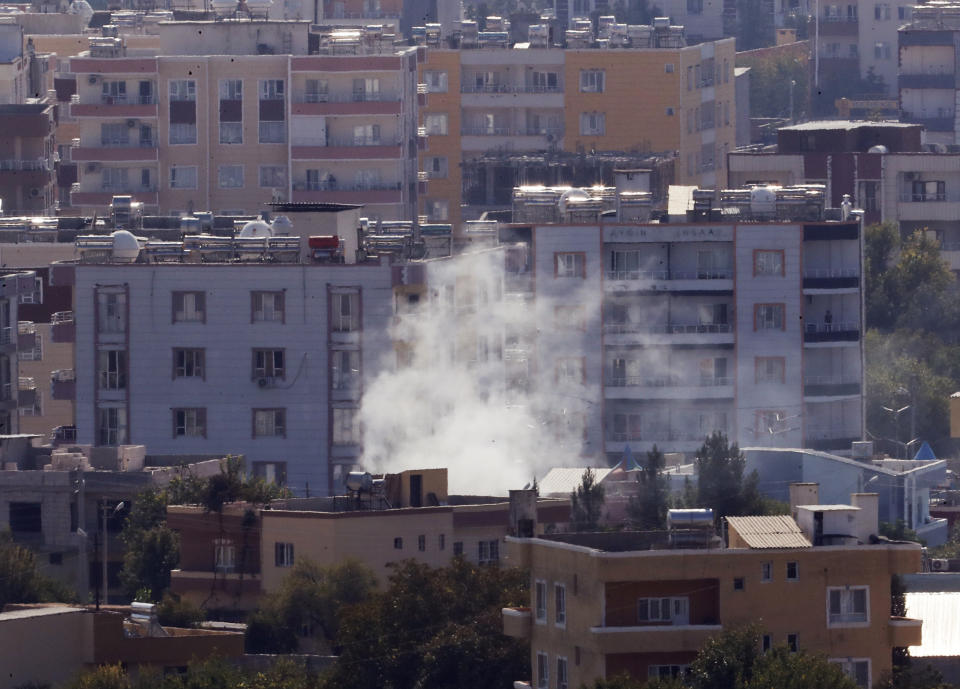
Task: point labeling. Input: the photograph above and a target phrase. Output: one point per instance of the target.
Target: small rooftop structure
(561, 481)
(777, 531)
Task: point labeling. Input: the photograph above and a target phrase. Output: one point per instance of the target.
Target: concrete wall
(43, 646)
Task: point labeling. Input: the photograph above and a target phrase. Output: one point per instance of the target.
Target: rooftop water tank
(256, 229)
(281, 226)
(126, 248)
(572, 197)
(763, 200)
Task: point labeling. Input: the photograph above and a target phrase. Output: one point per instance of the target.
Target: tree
(312, 597)
(434, 628)
(152, 549)
(649, 509)
(20, 577)
(586, 503)
(784, 669)
(721, 484)
(773, 80)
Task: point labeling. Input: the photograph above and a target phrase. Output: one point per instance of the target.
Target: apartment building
(244, 116)
(662, 333)
(28, 170)
(644, 604)
(15, 336)
(881, 165)
(928, 76)
(266, 353)
(491, 105)
(858, 40)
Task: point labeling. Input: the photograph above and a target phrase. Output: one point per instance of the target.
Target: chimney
(523, 513)
(803, 494)
(868, 518)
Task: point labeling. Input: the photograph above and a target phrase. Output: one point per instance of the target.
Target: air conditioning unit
(910, 175)
(939, 565)
(131, 124)
(35, 192)
(265, 382)
(93, 79)
(92, 167)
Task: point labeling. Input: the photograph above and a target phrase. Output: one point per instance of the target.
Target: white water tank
(281, 226)
(126, 248)
(763, 200)
(256, 229)
(571, 197)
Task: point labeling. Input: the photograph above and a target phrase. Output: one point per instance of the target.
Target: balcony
(115, 106)
(830, 386)
(933, 206)
(510, 95)
(666, 439)
(26, 392)
(347, 193)
(349, 148)
(104, 197)
(839, 26)
(668, 387)
(905, 632)
(831, 332)
(62, 327)
(831, 278)
(63, 384)
(116, 151)
(8, 341)
(668, 334)
(37, 165)
(653, 639)
(517, 622)
(830, 438)
(927, 81)
(347, 104)
(669, 280)
(63, 435)
(26, 335)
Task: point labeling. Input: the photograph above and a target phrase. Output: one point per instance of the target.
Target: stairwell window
(560, 598)
(268, 363)
(540, 601)
(768, 317)
(269, 423)
(283, 554)
(189, 307)
(592, 80)
(190, 423)
(183, 177)
(848, 606)
(593, 124)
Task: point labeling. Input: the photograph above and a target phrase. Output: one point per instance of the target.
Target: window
(436, 81)
(345, 369)
(540, 601)
(543, 671)
(189, 307)
(283, 554)
(114, 134)
(881, 50)
(183, 133)
(903, 13)
(457, 548)
(231, 89)
(231, 132)
(268, 363)
(738, 584)
(435, 123)
(273, 176)
(398, 543)
(183, 177)
(183, 90)
(271, 89)
(366, 89)
(669, 112)
(591, 80)
(437, 210)
(694, 6)
(190, 423)
(366, 135)
(847, 605)
(545, 81)
(857, 669)
(768, 317)
(560, 598)
(929, 191)
(766, 571)
(593, 123)
(266, 306)
(769, 369)
(570, 371)
(346, 426)
(768, 262)
(230, 176)
(569, 317)
(437, 167)
(224, 554)
(269, 423)
(793, 571)
(668, 68)
(271, 472)
(881, 11)
(273, 132)
(488, 552)
(111, 426)
(852, 50)
(667, 671)
(793, 642)
(673, 610)
(112, 365)
(188, 363)
(114, 92)
(561, 672)
(569, 265)
(345, 312)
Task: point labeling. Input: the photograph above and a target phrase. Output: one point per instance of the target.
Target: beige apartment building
(491, 105)
(228, 115)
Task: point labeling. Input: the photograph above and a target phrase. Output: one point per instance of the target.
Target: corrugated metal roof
(562, 481)
(777, 531)
(940, 613)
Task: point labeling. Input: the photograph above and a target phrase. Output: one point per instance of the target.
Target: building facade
(245, 116)
(28, 162)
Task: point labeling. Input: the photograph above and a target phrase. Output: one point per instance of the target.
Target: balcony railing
(509, 88)
(61, 317)
(908, 197)
(835, 19)
(6, 335)
(838, 327)
(815, 273)
(128, 100)
(39, 165)
(26, 383)
(667, 329)
(363, 141)
(487, 131)
(658, 435)
(355, 97)
(127, 143)
(665, 382)
(63, 375)
(126, 188)
(815, 432)
(26, 327)
(373, 186)
(669, 274)
(367, 14)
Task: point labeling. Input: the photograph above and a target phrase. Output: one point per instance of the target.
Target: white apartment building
(228, 115)
(263, 359)
(752, 328)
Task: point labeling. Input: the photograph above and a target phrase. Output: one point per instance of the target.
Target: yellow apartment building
(491, 105)
(601, 606)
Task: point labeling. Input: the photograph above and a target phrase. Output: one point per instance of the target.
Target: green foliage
(20, 577)
(103, 677)
(770, 87)
(898, 531)
(231, 485)
(648, 510)
(216, 673)
(912, 676)
(754, 25)
(312, 598)
(635, 11)
(721, 484)
(586, 503)
(151, 548)
(785, 670)
(434, 628)
(174, 612)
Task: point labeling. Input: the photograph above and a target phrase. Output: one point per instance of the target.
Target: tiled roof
(777, 531)
(562, 481)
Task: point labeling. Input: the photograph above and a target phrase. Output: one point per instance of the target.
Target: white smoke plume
(465, 393)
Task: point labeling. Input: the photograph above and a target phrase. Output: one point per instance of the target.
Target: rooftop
(848, 125)
(776, 531)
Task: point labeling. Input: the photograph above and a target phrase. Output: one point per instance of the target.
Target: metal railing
(830, 432)
(666, 382)
(63, 375)
(128, 100)
(26, 327)
(6, 335)
(669, 274)
(831, 273)
(26, 383)
(838, 327)
(14, 165)
(830, 380)
(509, 88)
(62, 317)
(128, 143)
(372, 186)
(351, 97)
(125, 188)
(658, 435)
(363, 141)
(667, 329)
